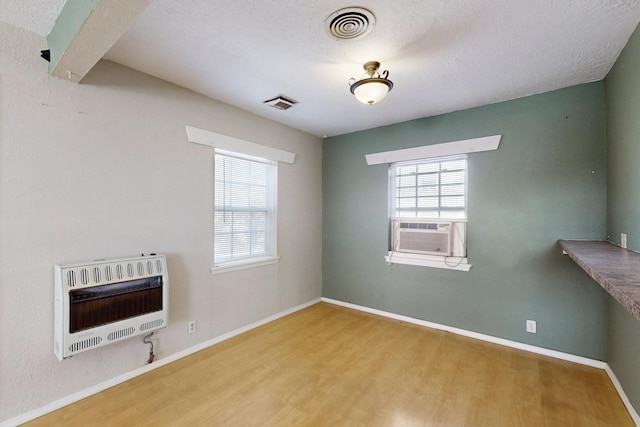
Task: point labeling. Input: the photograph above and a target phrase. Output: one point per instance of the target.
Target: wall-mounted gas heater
(102, 302)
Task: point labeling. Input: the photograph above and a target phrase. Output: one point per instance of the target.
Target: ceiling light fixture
(372, 86)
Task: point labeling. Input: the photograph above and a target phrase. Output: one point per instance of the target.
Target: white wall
(104, 169)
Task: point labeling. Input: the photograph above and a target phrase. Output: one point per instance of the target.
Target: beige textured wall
(104, 169)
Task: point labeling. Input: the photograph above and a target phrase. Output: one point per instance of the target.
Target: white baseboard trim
(60, 403)
(623, 395)
(31, 415)
(508, 343)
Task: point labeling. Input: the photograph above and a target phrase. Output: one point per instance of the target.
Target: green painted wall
(547, 181)
(624, 348)
(623, 203)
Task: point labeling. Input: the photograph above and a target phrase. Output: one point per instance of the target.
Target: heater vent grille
(83, 345)
(84, 276)
(97, 275)
(71, 279)
(108, 273)
(102, 273)
(116, 335)
(153, 324)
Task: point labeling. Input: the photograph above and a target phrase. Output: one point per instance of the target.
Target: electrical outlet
(623, 240)
(192, 326)
(531, 326)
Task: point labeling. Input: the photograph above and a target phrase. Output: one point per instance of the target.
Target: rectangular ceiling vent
(281, 102)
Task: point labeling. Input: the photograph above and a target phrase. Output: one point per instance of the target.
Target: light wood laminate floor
(331, 366)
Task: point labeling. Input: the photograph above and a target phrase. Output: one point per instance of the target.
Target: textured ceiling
(37, 16)
(442, 55)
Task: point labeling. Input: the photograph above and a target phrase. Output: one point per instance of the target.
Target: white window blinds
(431, 188)
(245, 194)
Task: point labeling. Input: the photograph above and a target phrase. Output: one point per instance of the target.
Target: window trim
(244, 148)
(449, 262)
(271, 231)
(239, 146)
(467, 146)
(244, 264)
(435, 261)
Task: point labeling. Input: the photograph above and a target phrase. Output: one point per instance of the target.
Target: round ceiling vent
(350, 23)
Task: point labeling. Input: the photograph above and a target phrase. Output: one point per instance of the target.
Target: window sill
(246, 263)
(434, 261)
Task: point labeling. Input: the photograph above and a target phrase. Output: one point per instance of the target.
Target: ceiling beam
(85, 31)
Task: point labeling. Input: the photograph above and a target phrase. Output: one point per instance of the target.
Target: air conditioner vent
(280, 102)
(350, 23)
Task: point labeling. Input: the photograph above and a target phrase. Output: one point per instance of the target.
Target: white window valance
(229, 143)
(465, 146)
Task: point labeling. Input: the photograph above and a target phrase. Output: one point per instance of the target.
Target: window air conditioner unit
(429, 238)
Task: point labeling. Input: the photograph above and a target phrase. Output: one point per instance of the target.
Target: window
(428, 212)
(245, 209)
(428, 198)
(432, 188)
(244, 199)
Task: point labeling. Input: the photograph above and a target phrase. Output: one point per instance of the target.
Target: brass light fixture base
(371, 89)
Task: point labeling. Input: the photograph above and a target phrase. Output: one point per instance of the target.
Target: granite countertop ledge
(616, 269)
